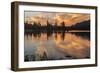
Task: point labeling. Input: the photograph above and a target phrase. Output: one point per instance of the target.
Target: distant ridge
(82, 26)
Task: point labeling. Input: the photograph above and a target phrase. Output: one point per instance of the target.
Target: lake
(41, 46)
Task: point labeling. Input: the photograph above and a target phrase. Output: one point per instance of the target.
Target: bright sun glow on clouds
(55, 17)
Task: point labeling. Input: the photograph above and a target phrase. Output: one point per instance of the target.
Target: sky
(55, 17)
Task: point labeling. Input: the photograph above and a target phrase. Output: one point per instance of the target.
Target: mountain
(81, 26)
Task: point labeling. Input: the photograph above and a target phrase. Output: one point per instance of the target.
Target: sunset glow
(56, 35)
(53, 17)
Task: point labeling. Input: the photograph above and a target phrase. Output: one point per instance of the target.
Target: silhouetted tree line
(49, 27)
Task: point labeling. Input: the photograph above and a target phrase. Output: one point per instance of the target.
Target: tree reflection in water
(56, 45)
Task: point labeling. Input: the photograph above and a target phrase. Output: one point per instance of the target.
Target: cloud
(68, 18)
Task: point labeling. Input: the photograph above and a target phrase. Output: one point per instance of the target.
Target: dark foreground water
(39, 46)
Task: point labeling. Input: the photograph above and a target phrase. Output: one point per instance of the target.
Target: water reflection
(56, 45)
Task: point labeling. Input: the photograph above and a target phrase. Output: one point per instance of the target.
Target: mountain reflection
(56, 45)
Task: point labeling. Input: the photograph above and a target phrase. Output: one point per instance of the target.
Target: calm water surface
(41, 46)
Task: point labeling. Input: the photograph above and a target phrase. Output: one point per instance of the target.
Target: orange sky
(52, 17)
